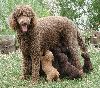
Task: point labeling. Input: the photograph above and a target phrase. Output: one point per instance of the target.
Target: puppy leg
(49, 78)
(67, 68)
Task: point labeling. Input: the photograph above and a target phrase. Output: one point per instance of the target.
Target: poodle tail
(87, 62)
(81, 42)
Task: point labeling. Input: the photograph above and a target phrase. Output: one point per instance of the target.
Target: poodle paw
(24, 77)
(87, 68)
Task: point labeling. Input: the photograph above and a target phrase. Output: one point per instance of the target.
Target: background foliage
(7, 6)
(86, 13)
(94, 14)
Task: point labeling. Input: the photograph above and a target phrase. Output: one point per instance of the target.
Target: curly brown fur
(63, 65)
(87, 64)
(66, 69)
(50, 71)
(36, 35)
(87, 67)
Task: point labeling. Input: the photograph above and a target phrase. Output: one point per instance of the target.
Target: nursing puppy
(50, 71)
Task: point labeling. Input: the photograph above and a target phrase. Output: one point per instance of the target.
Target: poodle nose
(23, 24)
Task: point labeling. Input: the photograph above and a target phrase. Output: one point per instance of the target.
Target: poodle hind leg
(87, 62)
(87, 67)
(74, 57)
(72, 44)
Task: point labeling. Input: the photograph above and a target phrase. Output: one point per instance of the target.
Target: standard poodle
(50, 71)
(39, 35)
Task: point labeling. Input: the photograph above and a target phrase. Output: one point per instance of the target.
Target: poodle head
(22, 18)
(56, 50)
(62, 58)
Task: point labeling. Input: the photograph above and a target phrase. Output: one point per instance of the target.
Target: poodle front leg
(35, 68)
(27, 67)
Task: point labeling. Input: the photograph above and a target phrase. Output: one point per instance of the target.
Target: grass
(10, 72)
(7, 32)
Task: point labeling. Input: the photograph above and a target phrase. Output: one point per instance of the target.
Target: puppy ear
(12, 21)
(52, 58)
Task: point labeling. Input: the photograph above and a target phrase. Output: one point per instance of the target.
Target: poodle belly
(51, 41)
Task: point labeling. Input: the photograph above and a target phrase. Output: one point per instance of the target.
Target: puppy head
(49, 56)
(62, 57)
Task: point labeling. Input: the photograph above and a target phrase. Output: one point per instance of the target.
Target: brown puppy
(66, 69)
(50, 71)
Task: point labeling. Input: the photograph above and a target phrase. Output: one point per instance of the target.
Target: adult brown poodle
(39, 35)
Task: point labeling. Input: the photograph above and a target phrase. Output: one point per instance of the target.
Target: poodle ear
(12, 21)
(33, 20)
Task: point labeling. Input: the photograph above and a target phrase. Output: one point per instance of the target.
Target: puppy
(66, 69)
(63, 64)
(46, 62)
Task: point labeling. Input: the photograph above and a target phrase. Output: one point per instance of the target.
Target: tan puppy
(50, 71)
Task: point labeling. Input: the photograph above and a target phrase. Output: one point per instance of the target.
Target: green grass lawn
(10, 72)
